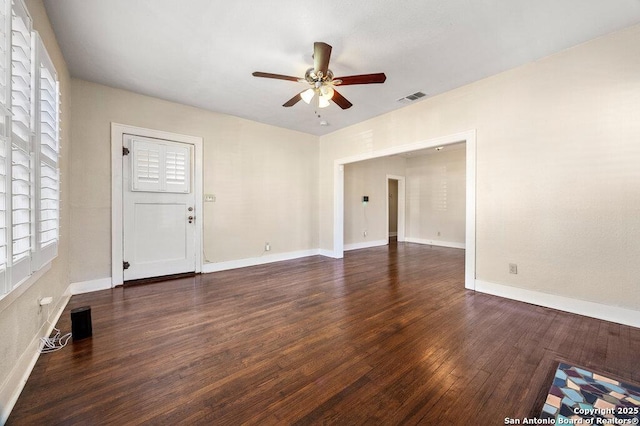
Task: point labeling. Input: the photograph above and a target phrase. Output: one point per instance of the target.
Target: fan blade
(362, 79)
(276, 76)
(291, 102)
(321, 56)
(340, 100)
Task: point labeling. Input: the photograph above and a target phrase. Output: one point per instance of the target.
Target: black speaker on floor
(81, 323)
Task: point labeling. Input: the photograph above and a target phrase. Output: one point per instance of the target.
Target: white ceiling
(202, 52)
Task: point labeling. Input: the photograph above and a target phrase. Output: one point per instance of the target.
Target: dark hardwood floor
(387, 335)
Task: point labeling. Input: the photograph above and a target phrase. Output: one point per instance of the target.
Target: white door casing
(159, 213)
(171, 210)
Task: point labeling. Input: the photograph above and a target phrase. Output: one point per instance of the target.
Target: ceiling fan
(322, 81)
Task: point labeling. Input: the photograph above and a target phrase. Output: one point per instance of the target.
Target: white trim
(7, 299)
(435, 243)
(22, 369)
(254, 261)
(328, 253)
(365, 244)
(338, 210)
(117, 133)
(89, 286)
(581, 307)
(470, 244)
(470, 216)
(401, 207)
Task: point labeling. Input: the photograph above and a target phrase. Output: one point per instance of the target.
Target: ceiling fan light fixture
(323, 102)
(326, 92)
(307, 95)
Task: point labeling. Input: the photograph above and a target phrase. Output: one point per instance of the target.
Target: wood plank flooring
(386, 335)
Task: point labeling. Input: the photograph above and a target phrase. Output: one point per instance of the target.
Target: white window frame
(21, 273)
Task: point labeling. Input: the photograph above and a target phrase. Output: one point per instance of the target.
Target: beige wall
(264, 178)
(435, 192)
(22, 321)
(558, 181)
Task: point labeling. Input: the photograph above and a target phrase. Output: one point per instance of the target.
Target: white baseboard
(435, 242)
(365, 244)
(329, 253)
(21, 371)
(89, 286)
(254, 261)
(581, 307)
(393, 234)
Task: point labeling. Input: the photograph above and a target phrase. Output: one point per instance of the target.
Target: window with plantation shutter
(5, 116)
(47, 139)
(21, 136)
(29, 150)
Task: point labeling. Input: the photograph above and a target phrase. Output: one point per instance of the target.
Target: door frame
(401, 207)
(117, 220)
(470, 238)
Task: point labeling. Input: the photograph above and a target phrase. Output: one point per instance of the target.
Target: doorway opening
(396, 208)
(469, 138)
(392, 195)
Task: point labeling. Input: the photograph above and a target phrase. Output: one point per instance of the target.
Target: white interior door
(158, 208)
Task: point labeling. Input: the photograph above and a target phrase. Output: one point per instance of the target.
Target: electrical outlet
(209, 198)
(513, 268)
(45, 301)
(267, 246)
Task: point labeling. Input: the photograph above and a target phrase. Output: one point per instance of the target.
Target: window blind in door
(160, 166)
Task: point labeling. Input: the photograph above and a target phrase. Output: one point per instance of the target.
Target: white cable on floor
(55, 342)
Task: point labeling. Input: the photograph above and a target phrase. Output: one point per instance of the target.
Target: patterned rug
(579, 396)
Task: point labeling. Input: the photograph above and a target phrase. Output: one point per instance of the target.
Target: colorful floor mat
(579, 396)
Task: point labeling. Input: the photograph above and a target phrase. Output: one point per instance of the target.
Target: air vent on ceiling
(412, 97)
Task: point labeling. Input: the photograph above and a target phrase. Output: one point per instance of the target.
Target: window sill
(7, 299)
